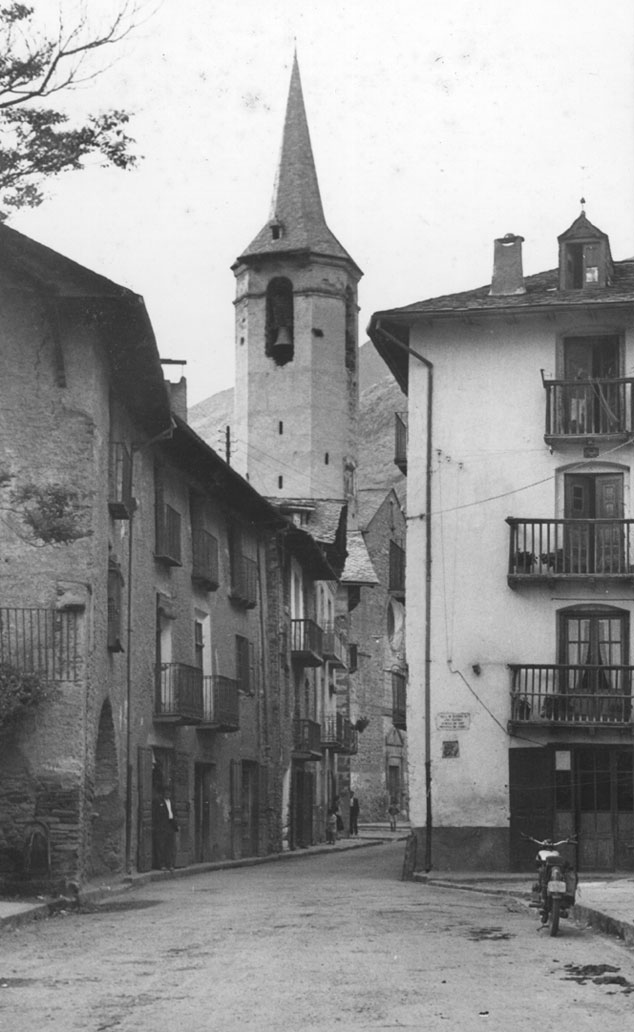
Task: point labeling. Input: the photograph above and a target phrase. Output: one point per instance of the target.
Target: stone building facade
(149, 589)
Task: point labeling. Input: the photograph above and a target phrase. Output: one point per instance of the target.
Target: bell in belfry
(282, 348)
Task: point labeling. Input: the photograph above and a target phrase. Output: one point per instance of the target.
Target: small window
(198, 644)
(280, 427)
(326, 459)
(280, 482)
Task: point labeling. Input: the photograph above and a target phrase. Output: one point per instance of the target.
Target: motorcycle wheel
(553, 916)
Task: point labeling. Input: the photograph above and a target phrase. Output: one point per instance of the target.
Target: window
(168, 525)
(594, 657)
(595, 542)
(199, 645)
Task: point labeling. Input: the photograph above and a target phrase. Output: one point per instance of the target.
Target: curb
(40, 911)
(580, 913)
(603, 923)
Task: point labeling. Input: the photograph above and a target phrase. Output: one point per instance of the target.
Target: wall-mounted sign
(453, 721)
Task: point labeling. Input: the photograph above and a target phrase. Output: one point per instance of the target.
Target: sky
(436, 125)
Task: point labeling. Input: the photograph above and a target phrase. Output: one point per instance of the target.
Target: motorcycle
(556, 888)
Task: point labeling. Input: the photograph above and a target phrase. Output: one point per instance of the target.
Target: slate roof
(296, 205)
(358, 567)
(542, 290)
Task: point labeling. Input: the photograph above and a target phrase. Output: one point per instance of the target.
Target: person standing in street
(354, 814)
(393, 811)
(164, 827)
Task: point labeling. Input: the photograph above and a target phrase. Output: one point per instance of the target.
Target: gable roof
(30, 267)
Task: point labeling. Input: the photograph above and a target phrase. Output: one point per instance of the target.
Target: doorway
(595, 545)
(204, 842)
(595, 401)
(594, 799)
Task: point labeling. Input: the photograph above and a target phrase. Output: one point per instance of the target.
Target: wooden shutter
(182, 807)
(144, 847)
(531, 792)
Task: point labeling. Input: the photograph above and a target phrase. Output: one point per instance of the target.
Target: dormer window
(276, 230)
(584, 257)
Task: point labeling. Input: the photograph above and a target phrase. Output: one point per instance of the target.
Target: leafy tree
(37, 140)
(19, 692)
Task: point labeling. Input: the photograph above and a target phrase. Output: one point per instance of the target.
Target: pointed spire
(297, 221)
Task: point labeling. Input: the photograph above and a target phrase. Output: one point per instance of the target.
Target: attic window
(276, 231)
(584, 264)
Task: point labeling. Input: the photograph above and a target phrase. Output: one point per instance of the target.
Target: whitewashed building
(520, 557)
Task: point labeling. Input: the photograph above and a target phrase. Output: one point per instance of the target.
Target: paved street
(324, 942)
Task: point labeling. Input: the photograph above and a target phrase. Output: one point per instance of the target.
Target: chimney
(178, 398)
(508, 277)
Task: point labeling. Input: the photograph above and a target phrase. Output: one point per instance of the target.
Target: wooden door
(596, 804)
(203, 812)
(144, 843)
(578, 505)
(235, 802)
(609, 549)
(182, 807)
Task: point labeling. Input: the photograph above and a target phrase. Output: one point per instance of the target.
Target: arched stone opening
(107, 816)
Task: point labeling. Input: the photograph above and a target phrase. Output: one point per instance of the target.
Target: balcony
(120, 482)
(587, 409)
(168, 536)
(338, 734)
(44, 642)
(546, 550)
(306, 740)
(307, 643)
(334, 647)
(400, 441)
(396, 585)
(575, 697)
(179, 694)
(399, 701)
(221, 704)
(244, 582)
(205, 560)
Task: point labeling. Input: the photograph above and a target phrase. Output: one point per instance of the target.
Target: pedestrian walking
(337, 810)
(331, 827)
(354, 814)
(393, 811)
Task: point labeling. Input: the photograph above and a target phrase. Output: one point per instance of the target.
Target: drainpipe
(428, 557)
(134, 448)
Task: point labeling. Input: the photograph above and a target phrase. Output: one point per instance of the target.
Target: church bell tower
(296, 397)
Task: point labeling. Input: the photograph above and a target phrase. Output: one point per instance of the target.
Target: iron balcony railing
(570, 548)
(573, 695)
(397, 571)
(244, 582)
(41, 641)
(588, 408)
(168, 535)
(179, 693)
(205, 567)
(400, 442)
(334, 646)
(307, 644)
(307, 739)
(338, 734)
(221, 703)
(399, 701)
(120, 481)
